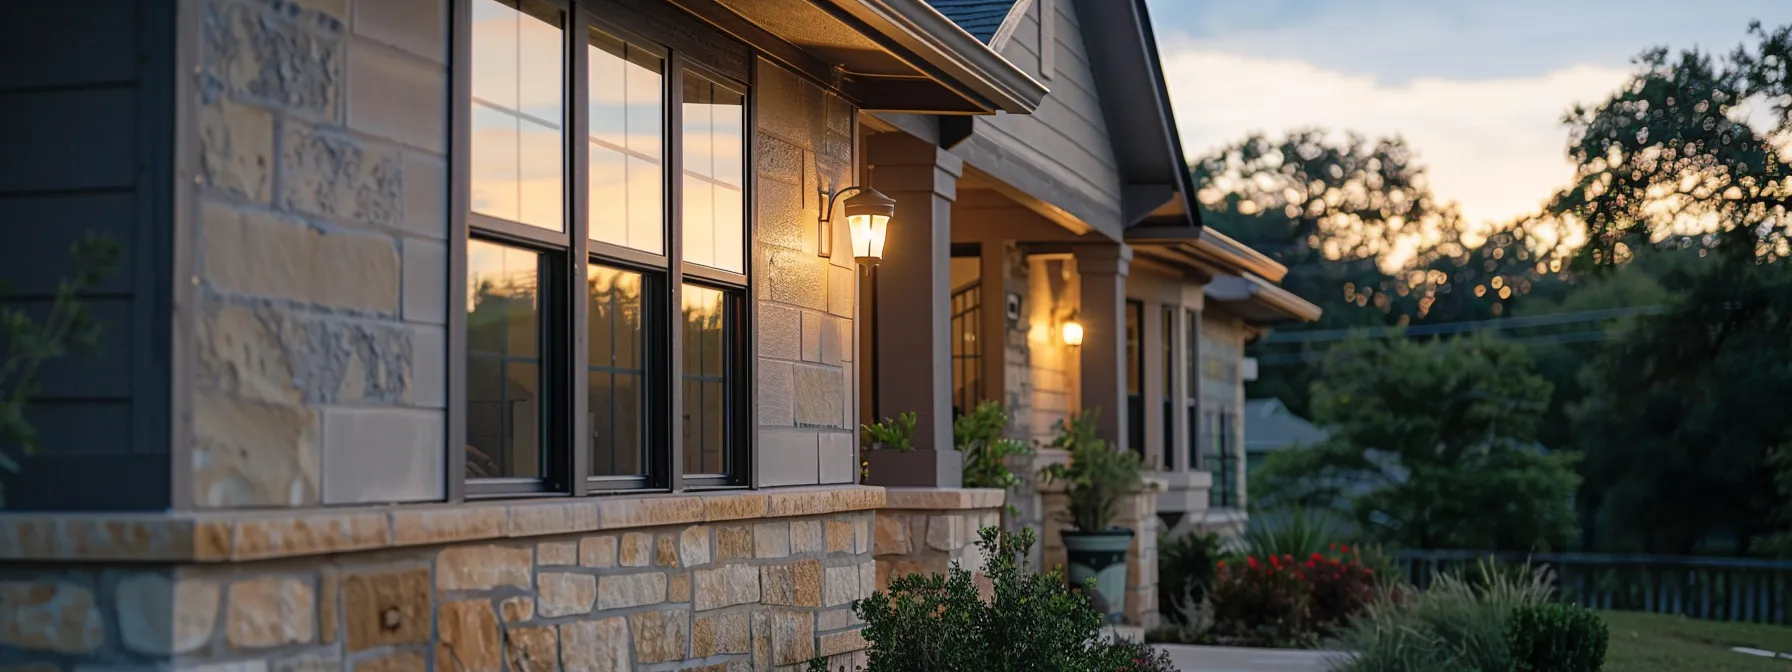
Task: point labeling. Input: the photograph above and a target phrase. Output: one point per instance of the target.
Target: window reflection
(627, 110)
(503, 364)
(708, 368)
(713, 217)
(617, 371)
(517, 171)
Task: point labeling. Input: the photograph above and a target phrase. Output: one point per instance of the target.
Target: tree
(1433, 446)
(1363, 237)
(1670, 153)
(1683, 411)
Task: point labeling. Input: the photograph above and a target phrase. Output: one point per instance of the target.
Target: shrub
(896, 434)
(1555, 637)
(1457, 625)
(1299, 533)
(1185, 570)
(928, 622)
(1261, 603)
(1340, 587)
(979, 435)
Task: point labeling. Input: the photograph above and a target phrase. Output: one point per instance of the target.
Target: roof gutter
(1210, 246)
(1256, 290)
(943, 51)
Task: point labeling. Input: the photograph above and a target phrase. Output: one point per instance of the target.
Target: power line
(1576, 317)
(1591, 336)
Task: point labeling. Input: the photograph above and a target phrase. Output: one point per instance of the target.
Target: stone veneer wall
(317, 238)
(806, 302)
(925, 530)
(739, 582)
(1139, 514)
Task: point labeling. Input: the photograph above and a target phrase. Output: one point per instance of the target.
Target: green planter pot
(1101, 555)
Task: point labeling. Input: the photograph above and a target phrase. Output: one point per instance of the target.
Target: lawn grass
(1657, 643)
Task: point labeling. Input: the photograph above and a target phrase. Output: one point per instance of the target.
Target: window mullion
(577, 364)
(673, 460)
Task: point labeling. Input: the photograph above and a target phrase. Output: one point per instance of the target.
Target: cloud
(1496, 146)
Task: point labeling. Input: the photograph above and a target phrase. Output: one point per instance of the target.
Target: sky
(1477, 88)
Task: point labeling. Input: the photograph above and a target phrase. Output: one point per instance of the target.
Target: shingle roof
(980, 18)
(1269, 425)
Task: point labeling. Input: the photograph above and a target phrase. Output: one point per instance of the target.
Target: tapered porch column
(913, 294)
(1102, 271)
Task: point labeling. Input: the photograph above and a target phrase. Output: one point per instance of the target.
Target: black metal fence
(1721, 589)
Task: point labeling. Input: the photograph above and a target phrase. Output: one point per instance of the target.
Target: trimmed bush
(1028, 622)
(1261, 603)
(1340, 587)
(1556, 637)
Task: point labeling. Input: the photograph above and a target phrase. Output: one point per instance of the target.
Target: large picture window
(606, 267)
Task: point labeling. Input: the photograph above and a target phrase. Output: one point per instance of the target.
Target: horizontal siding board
(68, 139)
(39, 231)
(104, 374)
(66, 43)
(82, 427)
(86, 123)
(91, 483)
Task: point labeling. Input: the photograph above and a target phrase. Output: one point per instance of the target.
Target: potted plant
(1097, 480)
(890, 458)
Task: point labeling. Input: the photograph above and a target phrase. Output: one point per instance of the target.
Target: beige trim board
(236, 536)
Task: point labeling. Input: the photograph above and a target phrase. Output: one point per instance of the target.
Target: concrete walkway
(1227, 659)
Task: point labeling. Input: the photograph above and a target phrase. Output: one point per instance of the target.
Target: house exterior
(1079, 212)
(529, 334)
(458, 334)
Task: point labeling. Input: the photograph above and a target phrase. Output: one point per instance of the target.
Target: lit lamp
(1072, 331)
(868, 215)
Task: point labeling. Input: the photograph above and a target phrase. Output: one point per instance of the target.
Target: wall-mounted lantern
(868, 214)
(1072, 330)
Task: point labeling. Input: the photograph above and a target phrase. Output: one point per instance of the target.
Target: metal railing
(1720, 589)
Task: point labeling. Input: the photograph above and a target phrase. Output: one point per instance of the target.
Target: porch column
(1102, 271)
(913, 295)
(1181, 391)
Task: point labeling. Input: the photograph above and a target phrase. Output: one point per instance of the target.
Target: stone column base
(927, 529)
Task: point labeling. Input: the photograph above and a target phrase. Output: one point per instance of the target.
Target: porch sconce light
(868, 214)
(1072, 331)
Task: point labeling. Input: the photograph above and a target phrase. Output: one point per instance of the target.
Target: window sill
(235, 536)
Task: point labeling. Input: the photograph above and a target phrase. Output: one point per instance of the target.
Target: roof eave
(946, 52)
(1261, 302)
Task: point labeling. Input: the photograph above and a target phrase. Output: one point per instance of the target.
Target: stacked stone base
(926, 530)
(1139, 514)
(759, 593)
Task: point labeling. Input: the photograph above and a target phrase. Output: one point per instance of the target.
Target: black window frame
(565, 300)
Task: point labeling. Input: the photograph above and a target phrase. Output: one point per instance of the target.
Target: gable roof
(1135, 102)
(981, 18)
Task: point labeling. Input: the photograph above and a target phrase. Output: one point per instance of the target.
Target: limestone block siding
(318, 245)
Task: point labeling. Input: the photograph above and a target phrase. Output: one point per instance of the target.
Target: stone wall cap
(943, 499)
(235, 536)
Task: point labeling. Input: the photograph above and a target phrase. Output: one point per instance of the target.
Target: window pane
(714, 143)
(517, 151)
(627, 119)
(503, 368)
(708, 377)
(1134, 368)
(615, 333)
